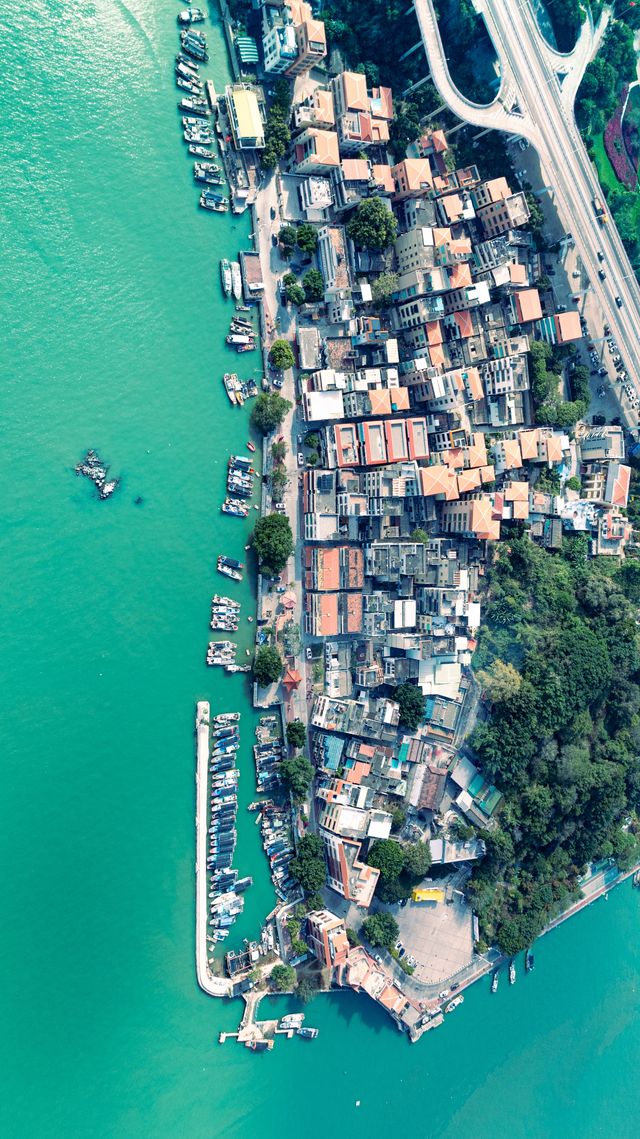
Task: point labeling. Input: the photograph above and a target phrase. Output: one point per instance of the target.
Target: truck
(600, 211)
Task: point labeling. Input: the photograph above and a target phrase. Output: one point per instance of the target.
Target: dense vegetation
(563, 739)
(411, 703)
(566, 18)
(296, 733)
(400, 866)
(273, 542)
(545, 372)
(381, 929)
(308, 867)
(277, 135)
(596, 102)
(372, 225)
(267, 666)
(270, 408)
(297, 773)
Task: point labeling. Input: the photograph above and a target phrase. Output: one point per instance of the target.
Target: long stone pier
(214, 986)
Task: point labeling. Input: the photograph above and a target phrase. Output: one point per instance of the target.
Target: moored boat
(236, 277)
(494, 982)
(225, 276)
(308, 1033)
(191, 16)
(455, 1003)
(529, 962)
(512, 973)
(230, 386)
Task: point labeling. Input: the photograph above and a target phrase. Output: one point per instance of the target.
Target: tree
(573, 483)
(352, 937)
(267, 666)
(281, 355)
(306, 990)
(373, 225)
(287, 236)
(296, 733)
(313, 285)
(297, 774)
(308, 867)
(295, 294)
(398, 817)
(417, 859)
(381, 929)
(412, 705)
(420, 535)
(307, 238)
(268, 411)
(383, 288)
(279, 480)
(500, 681)
(278, 452)
(283, 978)
(273, 542)
(388, 856)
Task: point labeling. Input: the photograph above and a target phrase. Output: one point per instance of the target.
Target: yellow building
(427, 895)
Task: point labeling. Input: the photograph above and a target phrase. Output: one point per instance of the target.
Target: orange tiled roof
(469, 480)
(477, 451)
(488, 474)
(464, 322)
(554, 449)
(380, 401)
(567, 326)
(383, 177)
(529, 443)
(355, 169)
(400, 398)
(354, 86)
(460, 275)
(454, 457)
(512, 456)
(517, 492)
(474, 384)
(439, 480)
(528, 305)
(436, 355)
(433, 329)
(328, 566)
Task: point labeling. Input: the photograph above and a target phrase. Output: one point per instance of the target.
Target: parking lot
(439, 935)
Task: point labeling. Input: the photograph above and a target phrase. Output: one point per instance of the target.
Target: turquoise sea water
(111, 330)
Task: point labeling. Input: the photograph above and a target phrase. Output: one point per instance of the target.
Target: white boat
(236, 280)
(225, 276)
(454, 1003)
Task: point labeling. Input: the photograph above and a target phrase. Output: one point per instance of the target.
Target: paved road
(531, 103)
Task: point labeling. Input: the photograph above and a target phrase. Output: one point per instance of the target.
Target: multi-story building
(326, 937)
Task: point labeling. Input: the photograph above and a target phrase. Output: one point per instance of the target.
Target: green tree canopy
(296, 733)
(412, 705)
(313, 285)
(417, 860)
(281, 354)
(297, 773)
(287, 235)
(267, 666)
(307, 238)
(388, 856)
(500, 681)
(278, 452)
(381, 929)
(283, 978)
(372, 226)
(295, 294)
(269, 409)
(273, 542)
(308, 867)
(383, 288)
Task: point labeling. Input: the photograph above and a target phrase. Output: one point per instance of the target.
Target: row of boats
(293, 1022)
(238, 391)
(231, 279)
(225, 614)
(196, 128)
(277, 843)
(226, 889)
(529, 966)
(268, 753)
(240, 476)
(242, 335)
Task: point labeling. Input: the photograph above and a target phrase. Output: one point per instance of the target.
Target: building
(316, 151)
(311, 40)
(503, 215)
(280, 48)
(412, 178)
(347, 873)
(326, 937)
(245, 117)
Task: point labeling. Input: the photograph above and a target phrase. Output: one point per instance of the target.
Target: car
(591, 346)
(308, 652)
(602, 275)
(619, 302)
(523, 144)
(598, 420)
(444, 994)
(274, 239)
(272, 211)
(300, 459)
(402, 952)
(606, 330)
(576, 273)
(562, 308)
(398, 946)
(600, 255)
(602, 371)
(299, 440)
(378, 958)
(277, 384)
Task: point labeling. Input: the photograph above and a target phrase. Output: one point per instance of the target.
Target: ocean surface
(112, 326)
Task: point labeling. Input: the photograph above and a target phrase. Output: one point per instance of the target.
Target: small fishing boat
(201, 151)
(230, 387)
(250, 446)
(308, 1033)
(494, 982)
(512, 973)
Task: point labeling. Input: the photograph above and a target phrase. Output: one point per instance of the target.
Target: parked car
(619, 302)
(300, 459)
(273, 213)
(308, 652)
(602, 275)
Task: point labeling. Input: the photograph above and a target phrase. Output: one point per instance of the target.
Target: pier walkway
(214, 986)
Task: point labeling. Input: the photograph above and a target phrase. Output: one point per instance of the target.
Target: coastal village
(413, 446)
